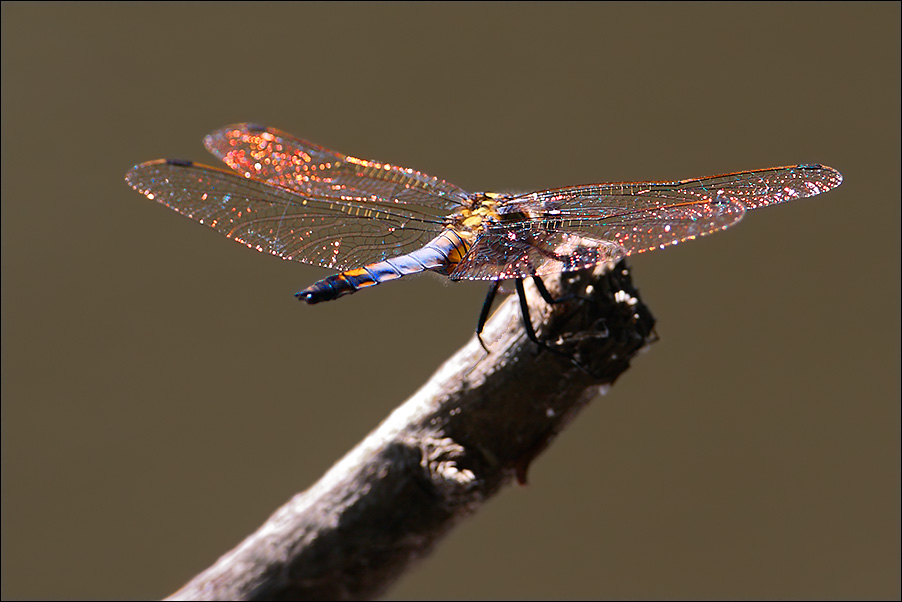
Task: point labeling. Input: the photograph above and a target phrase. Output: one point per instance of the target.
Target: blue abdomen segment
(440, 255)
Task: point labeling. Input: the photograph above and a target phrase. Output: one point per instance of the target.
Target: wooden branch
(474, 427)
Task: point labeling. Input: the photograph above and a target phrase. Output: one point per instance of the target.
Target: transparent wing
(326, 231)
(529, 250)
(279, 158)
(754, 189)
(636, 217)
(606, 232)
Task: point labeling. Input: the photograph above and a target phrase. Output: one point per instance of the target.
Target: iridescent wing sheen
(279, 158)
(532, 250)
(754, 189)
(609, 228)
(331, 232)
(564, 228)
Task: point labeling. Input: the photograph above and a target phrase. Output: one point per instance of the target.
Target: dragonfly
(374, 222)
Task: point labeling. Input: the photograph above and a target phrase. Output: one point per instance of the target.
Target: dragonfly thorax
(468, 221)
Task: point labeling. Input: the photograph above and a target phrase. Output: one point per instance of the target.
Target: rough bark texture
(474, 427)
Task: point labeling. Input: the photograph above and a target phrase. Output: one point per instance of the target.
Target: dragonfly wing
(326, 231)
(635, 216)
(603, 229)
(503, 253)
(279, 158)
(754, 189)
(763, 187)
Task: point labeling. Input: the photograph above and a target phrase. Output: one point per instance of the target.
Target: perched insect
(376, 222)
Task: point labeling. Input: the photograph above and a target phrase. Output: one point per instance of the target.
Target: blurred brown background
(163, 392)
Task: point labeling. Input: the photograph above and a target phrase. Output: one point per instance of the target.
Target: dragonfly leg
(527, 322)
(524, 309)
(540, 286)
(484, 314)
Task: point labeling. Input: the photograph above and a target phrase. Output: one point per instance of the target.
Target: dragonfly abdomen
(440, 255)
